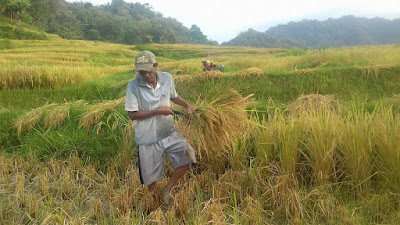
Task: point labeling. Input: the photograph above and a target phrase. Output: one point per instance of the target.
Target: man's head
(145, 64)
(144, 61)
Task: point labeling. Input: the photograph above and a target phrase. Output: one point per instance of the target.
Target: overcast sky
(222, 20)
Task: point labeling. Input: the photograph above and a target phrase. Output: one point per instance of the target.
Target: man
(148, 104)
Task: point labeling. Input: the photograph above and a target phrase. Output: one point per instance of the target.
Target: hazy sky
(222, 20)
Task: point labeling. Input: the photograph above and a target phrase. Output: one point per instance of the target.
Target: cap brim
(143, 67)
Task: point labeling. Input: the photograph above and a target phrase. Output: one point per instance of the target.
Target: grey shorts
(151, 165)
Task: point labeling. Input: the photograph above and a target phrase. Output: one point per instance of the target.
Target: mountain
(345, 31)
(253, 38)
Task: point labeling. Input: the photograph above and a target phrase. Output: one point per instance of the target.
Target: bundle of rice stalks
(314, 103)
(253, 71)
(57, 115)
(31, 119)
(96, 112)
(213, 127)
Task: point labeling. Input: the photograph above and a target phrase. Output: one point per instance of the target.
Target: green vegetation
(319, 143)
(117, 22)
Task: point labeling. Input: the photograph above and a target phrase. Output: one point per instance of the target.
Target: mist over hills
(345, 31)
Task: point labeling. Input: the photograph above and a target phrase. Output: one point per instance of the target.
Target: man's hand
(189, 109)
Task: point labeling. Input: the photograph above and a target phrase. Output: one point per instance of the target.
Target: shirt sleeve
(131, 102)
(173, 93)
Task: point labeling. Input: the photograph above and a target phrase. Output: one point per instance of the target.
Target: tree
(197, 36)
(18, 8)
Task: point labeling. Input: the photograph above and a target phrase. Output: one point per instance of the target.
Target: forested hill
(344, 31)
(118, 21)
(253, 38)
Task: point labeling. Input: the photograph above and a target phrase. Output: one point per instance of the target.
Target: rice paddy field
(282, 136)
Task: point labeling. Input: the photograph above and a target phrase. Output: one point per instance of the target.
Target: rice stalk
(214, 126)
(386, 136)
(97, 111)
(57, 114)
(287, 143)
(356, 148)
(96, 208)
(320, 142)
(31, 119)
(20, 189)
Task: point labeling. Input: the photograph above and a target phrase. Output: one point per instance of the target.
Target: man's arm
(180, 101)
(142, 114)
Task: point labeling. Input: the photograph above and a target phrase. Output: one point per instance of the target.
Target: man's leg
(176, 175)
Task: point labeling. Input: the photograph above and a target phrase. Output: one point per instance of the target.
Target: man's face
(149, 77)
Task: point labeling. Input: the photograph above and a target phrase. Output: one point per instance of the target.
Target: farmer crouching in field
(148, 104)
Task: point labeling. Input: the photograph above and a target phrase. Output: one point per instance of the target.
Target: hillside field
(317, 141)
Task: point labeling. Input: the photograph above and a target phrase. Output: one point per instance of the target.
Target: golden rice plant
(253, 71)
(213, 126)
(253, 211)
(57, 114)
(31, 119)
(287, 135)
(213, 213)
(314, 103)
(321, 140)
(97, 111)
(265, 137)
(386, 136)
(356, 148)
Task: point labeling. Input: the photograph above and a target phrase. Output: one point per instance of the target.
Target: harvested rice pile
(253, 71)
(213, 126)
(314, 103)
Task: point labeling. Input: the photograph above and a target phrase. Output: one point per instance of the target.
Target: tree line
(118, 21)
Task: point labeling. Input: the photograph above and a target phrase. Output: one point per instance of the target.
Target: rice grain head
(31, 119)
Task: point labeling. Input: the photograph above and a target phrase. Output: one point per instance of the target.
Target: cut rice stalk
(213, 127)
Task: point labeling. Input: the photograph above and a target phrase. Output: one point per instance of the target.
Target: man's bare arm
(142, 114)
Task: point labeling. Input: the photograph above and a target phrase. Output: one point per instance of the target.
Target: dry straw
(213, 126)
(314, 103)
(253, 71)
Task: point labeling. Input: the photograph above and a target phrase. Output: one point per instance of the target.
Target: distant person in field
(148, 104)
